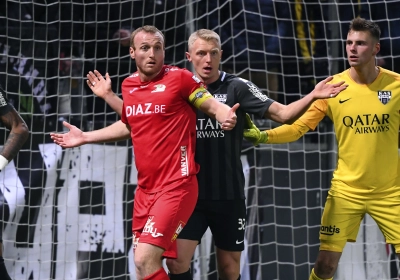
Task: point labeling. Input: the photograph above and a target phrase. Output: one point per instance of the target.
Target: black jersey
(218, 151)
(5, 106)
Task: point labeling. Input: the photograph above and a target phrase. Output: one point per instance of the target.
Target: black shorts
(226, 220)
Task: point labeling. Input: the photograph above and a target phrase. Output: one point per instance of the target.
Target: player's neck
(211, 79)
(364, 75)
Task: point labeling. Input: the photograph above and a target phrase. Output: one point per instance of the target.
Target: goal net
(68, 212)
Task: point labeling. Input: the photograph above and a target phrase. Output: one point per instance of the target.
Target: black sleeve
(251, 98)
(5, 107)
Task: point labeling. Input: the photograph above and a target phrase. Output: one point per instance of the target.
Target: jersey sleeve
(5, 106)
(123, 114)
(251, 98)
(315, 113)
(287, 133)
(193, 89)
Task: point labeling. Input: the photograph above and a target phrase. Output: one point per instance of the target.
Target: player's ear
(132, 52)
(377, 48)
(188, 57)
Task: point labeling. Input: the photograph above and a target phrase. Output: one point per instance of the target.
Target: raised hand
(324, 90)
(231, 119)
(98, 84)
(73, 138)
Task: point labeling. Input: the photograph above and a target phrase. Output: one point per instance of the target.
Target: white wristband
(3, 162)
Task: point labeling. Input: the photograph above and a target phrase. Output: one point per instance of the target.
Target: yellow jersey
(366, 121)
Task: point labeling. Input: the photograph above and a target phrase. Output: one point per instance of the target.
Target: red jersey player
(159, 115)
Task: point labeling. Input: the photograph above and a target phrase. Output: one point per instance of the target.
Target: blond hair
(205, 34)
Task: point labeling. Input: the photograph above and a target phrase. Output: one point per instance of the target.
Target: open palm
(325, 90)
(98, 84)
(73, 138)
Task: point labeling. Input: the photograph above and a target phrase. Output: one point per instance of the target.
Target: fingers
(94, 77)
(67, 125)
(57, 138)
(248, 120)
(235, 107)
(229, 124)
(327, 80)
(339, 84)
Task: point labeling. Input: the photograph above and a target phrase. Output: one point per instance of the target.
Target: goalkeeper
(19, 133)
(221, 204)
(366, 121)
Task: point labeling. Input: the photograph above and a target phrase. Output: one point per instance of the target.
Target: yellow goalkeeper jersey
(366, 121)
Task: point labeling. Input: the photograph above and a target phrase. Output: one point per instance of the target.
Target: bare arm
(19, 133)
(221, 112)
(287, 114)
(75, 137)
(101, 87)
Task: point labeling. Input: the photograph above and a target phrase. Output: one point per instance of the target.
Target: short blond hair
(148, 29)
(205, 34)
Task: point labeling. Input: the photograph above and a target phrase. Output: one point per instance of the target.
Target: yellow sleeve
(309, 120)
(197, 97)
(287, 133)
(315, 113)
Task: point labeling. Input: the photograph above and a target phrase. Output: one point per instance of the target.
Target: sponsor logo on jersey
(384, 96)
(196, 79)
(149, 228)
(159, 88)
(255, 90)
(221, 97)
(134, 89)
(344, 100)
(367, 123)
(329, 230)
(135, 241)
(144, 109)
(209, 128)
(2, 100)
(178, 231)
(184, 162)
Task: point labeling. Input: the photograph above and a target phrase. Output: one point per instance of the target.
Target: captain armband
(199, 96)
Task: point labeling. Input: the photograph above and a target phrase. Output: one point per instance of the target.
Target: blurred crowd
(285, 47)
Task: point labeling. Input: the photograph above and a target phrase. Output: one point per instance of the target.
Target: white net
(68, 213)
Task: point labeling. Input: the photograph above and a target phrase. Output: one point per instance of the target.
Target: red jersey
(163, 126)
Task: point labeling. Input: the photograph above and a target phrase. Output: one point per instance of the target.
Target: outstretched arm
(281, 134)
(19, 133)
(76, 137)
(221, 112)
(287, 114)
(101, 87)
